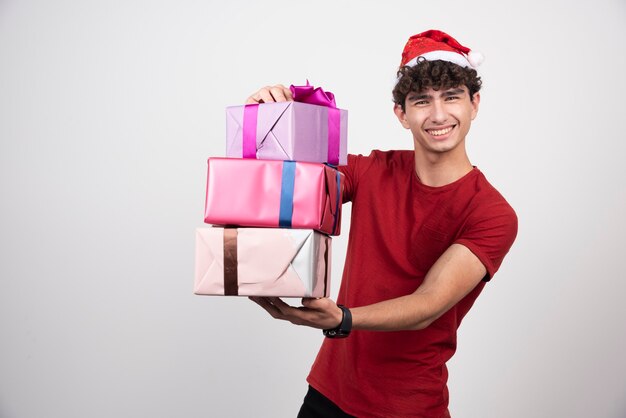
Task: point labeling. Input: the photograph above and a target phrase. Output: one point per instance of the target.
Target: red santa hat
(437, 45)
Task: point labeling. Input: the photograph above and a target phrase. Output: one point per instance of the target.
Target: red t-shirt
(399, 228)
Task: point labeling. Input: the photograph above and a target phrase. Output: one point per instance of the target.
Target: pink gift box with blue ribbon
(311, 129)
(273, 194)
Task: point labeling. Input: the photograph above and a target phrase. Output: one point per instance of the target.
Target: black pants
(316, 405)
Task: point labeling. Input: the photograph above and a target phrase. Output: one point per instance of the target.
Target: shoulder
(393, 157)
(489, 208)
(379, 169)
(490, 198)
(382, 159)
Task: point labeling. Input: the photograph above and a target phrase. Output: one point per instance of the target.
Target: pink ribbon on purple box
(250, 113)
(312, 95)
(302, 94)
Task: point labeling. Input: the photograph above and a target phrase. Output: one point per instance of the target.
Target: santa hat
(437, 45)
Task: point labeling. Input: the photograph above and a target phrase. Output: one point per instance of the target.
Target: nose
(438, 112)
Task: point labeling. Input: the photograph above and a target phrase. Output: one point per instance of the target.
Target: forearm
(410, 312)
(452, 277)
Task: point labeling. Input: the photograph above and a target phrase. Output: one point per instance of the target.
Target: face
(439, 120)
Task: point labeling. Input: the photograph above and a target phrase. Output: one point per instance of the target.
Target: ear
(475, 105)
(397, 109)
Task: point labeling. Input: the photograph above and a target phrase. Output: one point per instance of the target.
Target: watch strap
(345, 326)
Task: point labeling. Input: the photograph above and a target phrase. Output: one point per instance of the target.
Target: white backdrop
(108, 111)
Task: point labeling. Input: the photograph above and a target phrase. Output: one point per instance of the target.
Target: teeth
(440, 131)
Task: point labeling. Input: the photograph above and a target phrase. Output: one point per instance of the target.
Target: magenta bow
(312, 95)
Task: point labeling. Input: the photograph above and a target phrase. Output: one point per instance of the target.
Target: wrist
(345, 326)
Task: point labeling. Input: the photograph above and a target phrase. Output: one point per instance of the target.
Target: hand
(269, 94)
(320, 313)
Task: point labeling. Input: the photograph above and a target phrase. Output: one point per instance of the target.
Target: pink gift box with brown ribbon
(262, 262)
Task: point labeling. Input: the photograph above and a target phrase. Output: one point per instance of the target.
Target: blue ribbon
(336, 216)
(286, 194)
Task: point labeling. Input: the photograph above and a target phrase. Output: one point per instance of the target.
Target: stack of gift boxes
(275, 200)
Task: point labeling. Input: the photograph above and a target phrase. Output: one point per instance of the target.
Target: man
(427, 232)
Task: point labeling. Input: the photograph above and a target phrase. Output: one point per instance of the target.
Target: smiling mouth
(439, 132)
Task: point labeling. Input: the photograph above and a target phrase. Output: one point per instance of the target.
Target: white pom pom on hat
(475, 58)
(437, 45)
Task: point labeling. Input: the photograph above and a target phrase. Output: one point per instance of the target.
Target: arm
(450, 279)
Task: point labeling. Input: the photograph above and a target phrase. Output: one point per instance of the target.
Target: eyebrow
(447, 93)
(453, 92)
(417, 96)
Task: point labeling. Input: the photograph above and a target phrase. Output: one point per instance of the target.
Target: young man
(427, 232)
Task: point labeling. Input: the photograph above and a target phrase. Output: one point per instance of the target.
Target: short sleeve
(352, 171)
(490, 233)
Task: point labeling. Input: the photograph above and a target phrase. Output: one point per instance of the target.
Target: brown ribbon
(231, 287)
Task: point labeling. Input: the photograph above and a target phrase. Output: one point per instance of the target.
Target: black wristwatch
(345, 326)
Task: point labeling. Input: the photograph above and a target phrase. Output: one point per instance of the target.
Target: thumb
(313, 303)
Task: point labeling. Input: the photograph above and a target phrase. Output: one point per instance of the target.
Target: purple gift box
(287, 131)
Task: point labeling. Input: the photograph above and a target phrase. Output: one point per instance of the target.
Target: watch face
(336, 333)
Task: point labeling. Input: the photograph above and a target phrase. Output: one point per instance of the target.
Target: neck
(440, 170)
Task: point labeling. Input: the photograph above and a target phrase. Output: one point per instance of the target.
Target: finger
(254, 99)
(288, 94)
(296, 315)
(316, 303)
(280, 305)
(261, 96)
(268, 306)
(280, 93)
(265, 95)
(269, 94)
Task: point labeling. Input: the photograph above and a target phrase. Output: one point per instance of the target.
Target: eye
(452, 98)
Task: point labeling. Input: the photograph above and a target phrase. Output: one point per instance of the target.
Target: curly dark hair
(437, 74)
